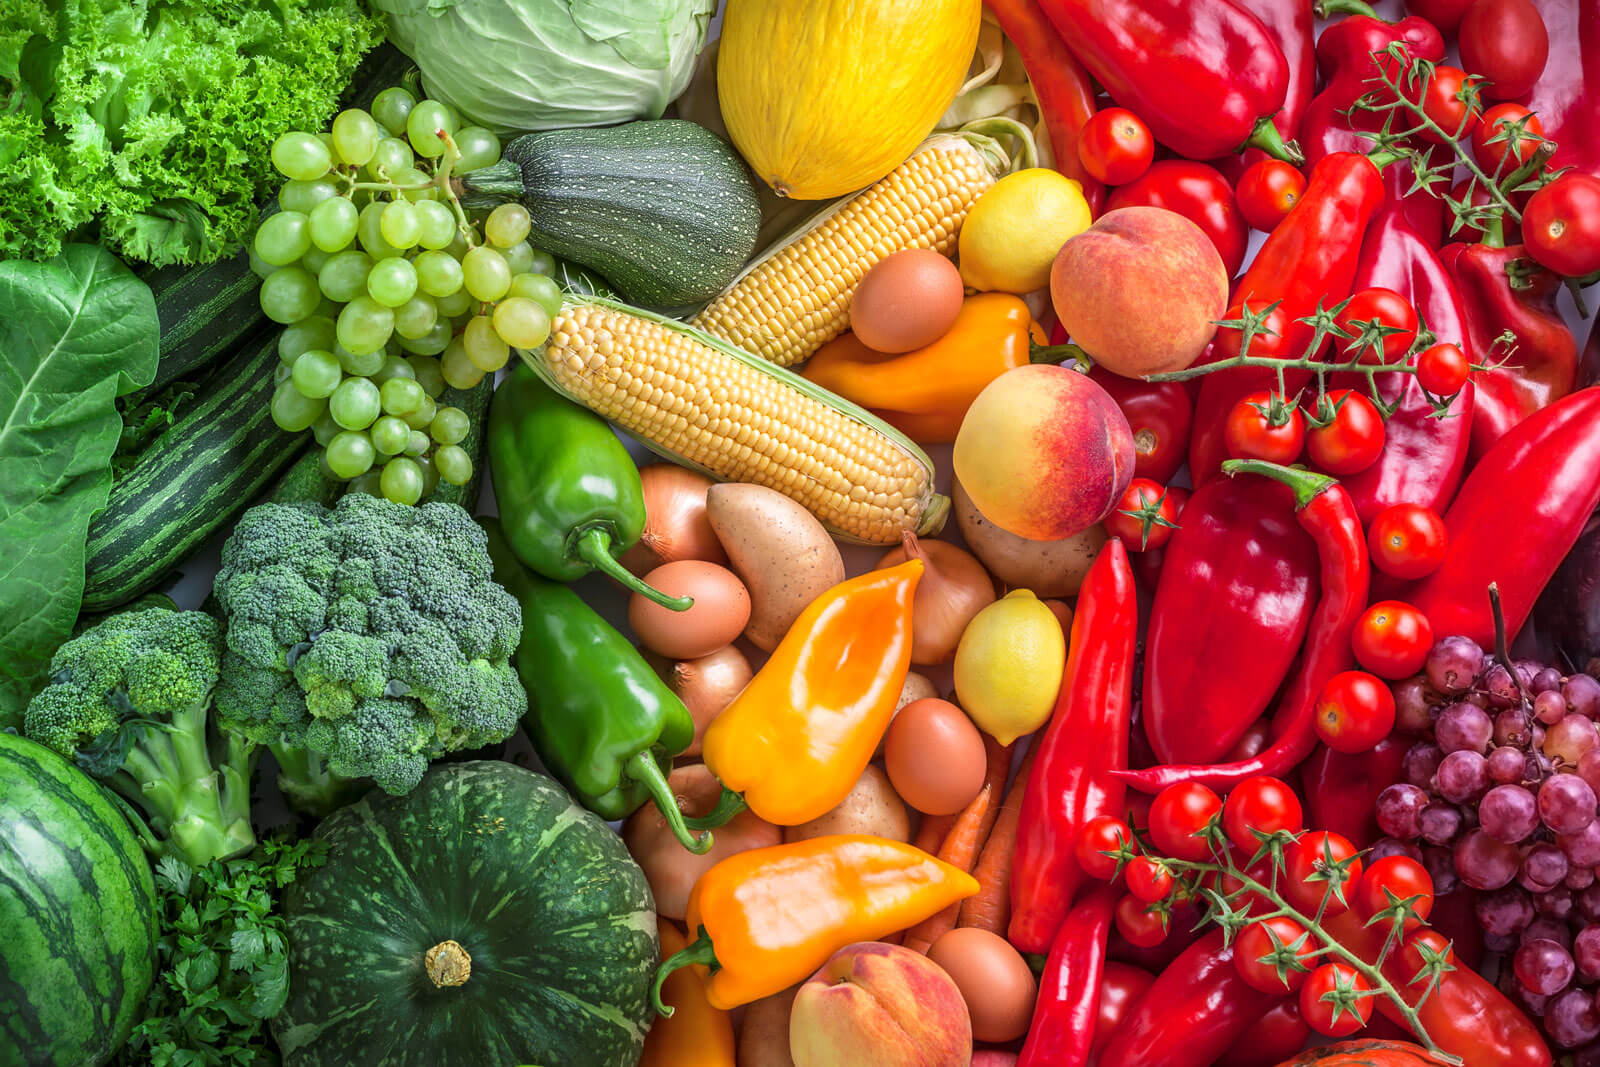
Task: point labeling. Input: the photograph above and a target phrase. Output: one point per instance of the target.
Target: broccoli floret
(129, 700)
(371, 635)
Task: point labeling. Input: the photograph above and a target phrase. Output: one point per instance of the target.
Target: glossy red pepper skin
(1567, 94)
(1341, 788)
(1275, 1037)
(1205, 75)
(1158, 413)
(1062, 1030)
(1237, 588)
(1198, 192)
(1544, 367)
(1539, 483)
(1084, 742)
(1292, 25)
(1309, 259)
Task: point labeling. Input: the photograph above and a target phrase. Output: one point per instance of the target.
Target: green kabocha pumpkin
(481, 919)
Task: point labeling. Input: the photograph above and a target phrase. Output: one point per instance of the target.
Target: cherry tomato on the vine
(1159, 414)
(1450, 100)
(1140, 923)
(1442, 369)
(1407, 541)
(1177, 815)
(1402, 876)
(1354, 711)
(1266, 192)
(1146, 514)
(1199, 193)
(1392, 639)
(1561, 225)
(1395, 325)
(1259, 872)
(1309, 874)
(1148, 879)
(1266, 965)
(1418, 945)
(1101, 834)
(1263, 426)
(1332, 1000)
(1470, 191)
(1351, 438)
(1271, 337)
(1120, 985)
(1116, 146)
(1494, 138)
(1261, 804)
(1506, 41)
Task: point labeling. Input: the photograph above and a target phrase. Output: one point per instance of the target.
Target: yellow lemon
(1008, 666)
(1014, 231)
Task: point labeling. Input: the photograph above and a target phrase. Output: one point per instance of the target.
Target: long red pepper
(1517, 515)
(1060, 84)
(1310, 259)
(1328, 514)
(1341, 788)
(1292, 25)
(1205, 75)
(1567, 94)
(1062, 1030)
(1084, 742)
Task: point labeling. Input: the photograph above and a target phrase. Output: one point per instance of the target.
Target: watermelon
(77, 911)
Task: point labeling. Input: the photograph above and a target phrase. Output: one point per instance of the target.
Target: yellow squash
(859, 85)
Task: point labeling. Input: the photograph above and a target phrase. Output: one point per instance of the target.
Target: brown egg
(993, 978)
(934, 756)
(906, 301)
(721, 609)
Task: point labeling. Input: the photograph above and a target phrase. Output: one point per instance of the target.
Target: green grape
(393, 367)
(458, 245)
(354, 404)
(333, 224)
(420, 418)
(305, 196)
(449, 426)
(543, 263)
(317, 374)
(292, 410)
(327, 142)
(486, 348)
(426, 370)
(402, 396)
(328, 309)
(430, 475)
(280, 374)
(507, 225)
(344, 276)
(324, 429)
(362, 366)
(367, 483)
(391, 156)
(401, 481)
(303, 336)
(438, 224)
(540, 288)
(478, 147)
(416, 317)
(438, 273)
(485, 273)
(431, 343)
(364, 325)
(521, 322)
(258, 266)
(355, 136)
(423, 124)
(283, 238)
(453, 464)
(456, 369)
(390, 435)
(370, 233)
(417, 443)
(314, 260)
(418, 183)
(289, 295)
(350, 454)
(520, 257)
(456, 304)
(301, 156)
(400, 224)
(391, 107)
(392, 282)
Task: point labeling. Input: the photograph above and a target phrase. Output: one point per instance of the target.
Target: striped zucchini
(204, 470)
(205, 312)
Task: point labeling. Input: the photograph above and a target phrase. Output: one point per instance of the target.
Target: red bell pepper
(1327, 513)
(1063, 1026)
(1205, 75)
(1199, 193)
(1237, 587)
(1341, 788)
(1274, 1038)
(1517, 515)
(1567, 94)
(1310, 259)
(1060, 84)
(1544, 366)
(1084, 742)
(1292, 25)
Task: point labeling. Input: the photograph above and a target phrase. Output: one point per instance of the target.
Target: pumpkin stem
(700, 951)
(643, 768)
(448, 965)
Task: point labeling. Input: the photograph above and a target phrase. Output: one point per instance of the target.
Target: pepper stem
(1266, 137)
(1038, 353)
(1307, 485)
(1327, 9)
(729, 804)
(643, 768)
(701, 950)
(593, 545)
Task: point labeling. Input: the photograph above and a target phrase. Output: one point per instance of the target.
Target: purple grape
(1583, 695)
(1506, 765)
(1572, 1019)
(1549, 707)
(1566, 803)
(1570, 740)
(1589, 767)
(1578, 877)
(1508, 813)
(1391, 846)
(1545, 680)
(1399, 809)
(1462, 775)
(1453, 663)
(1587, 903)
(1421, 761)
(1511, 728)
(1440, 823)
(1543, 966)
(1526, 669)
(1555, 903)
(1503, 943)
(1586, 951)
(1412, 715)
(1544, 866)
(1463, 727)
(1441, 867)
(1485, 863)
(1549, 929)
(1537, 766)
(1501, 687)
(1505, 912)
(1587, 1056)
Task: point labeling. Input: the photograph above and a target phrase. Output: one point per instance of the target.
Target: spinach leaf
(76, 332)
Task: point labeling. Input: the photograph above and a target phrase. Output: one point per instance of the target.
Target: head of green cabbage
(521, 65)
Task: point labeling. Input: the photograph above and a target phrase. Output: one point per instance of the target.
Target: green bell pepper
(569, 494)
(602, 721)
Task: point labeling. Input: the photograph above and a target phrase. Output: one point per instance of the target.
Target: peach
(880, 1004)
(1139, 290)
(989, 1057)
(1044, 452)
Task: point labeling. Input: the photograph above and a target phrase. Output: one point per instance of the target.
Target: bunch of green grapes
(389, 292)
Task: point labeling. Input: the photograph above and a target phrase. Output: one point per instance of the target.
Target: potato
(764, 1035)
(1045, 568)
(872, 807)
(779, 549)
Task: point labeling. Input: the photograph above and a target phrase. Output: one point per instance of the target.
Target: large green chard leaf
(76, 332)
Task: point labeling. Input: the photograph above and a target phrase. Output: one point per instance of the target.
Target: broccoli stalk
(202, 807)
(309, 785)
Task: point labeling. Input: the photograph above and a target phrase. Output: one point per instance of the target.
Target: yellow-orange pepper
(697, 1034)
(925, 393)
(768, 918)
(802, 731)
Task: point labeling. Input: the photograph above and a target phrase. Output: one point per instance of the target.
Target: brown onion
(675, 525)
(707, 686)
(954, 588)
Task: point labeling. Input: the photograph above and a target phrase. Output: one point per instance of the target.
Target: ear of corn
(702, 402)
(796, 297)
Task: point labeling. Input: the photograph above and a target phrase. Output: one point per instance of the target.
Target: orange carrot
(932, 832)
(960, 849)
(990, 909)
(999, 769)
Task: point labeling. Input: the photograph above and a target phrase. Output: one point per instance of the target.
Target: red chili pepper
(1567, 95)
(1237, 587)
(1199, 193)
(1501, 289)
(1205, 75)
(1341, 789)
(1086, 738)
(1310, 259)
(1060, 84)
(1541, 480)
(1328, 514)
(1197, 1008)
(1063, 1026)
(1292, 25)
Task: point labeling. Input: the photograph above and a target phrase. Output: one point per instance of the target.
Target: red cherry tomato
(1407, 541)
(1445, 14)
(1352, 438)
(1420, 943)
(1493, 138)
(1260, 804)
(1259, 872)
(1331, 1002)
(1266, 947)
(1469, 190)
(1442, 369)
(1396, 322)
(1267, 190)
(1506, 42)
(1309, 876)
(1140, 923)
(1101, 834)
(1120, 985)
(1273, 1038)
(1354, 711)
(1401, 876)
(1116, 146)
(1197, 192)
(1146, 514)
(1392, 640)
(1450, 100)
(1148, 879)
(1259, 427)
(1561, 225)
(1159, 414)
(1177, 815)
(1271, 337)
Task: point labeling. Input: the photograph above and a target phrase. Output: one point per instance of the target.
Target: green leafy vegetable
(76, 332)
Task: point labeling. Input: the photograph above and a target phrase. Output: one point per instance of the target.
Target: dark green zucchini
(205, 312)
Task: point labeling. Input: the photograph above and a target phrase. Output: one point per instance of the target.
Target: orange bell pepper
(697, 1034)
(768, 918)
(925, 393)
(800, 734)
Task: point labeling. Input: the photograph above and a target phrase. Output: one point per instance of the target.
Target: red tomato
(1159, 414)
(1407, 541)
(1351, 439)
(1561, 225)
(1331, 1002)
(1267, 190)
(1392, 640)
(1271, 337)
(1146, 514)
(1120, 985)
(1260, 804)
(1505, 41)
(1148, 879)
(1101, 834)
(1116, 146)
(1259, 872)
(1450, 100)
(1262, 426)
(1469, 190)
(1354, 712)
(1495, 137)
(1140, 923)
(1420, 943)
(1197, 192)
(1381, 321)
(1263, 953)
(1273, 1038)
(1442, 369)
(1308, 875)
(1401, 876)
(1178, 813)
(1445, 14)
